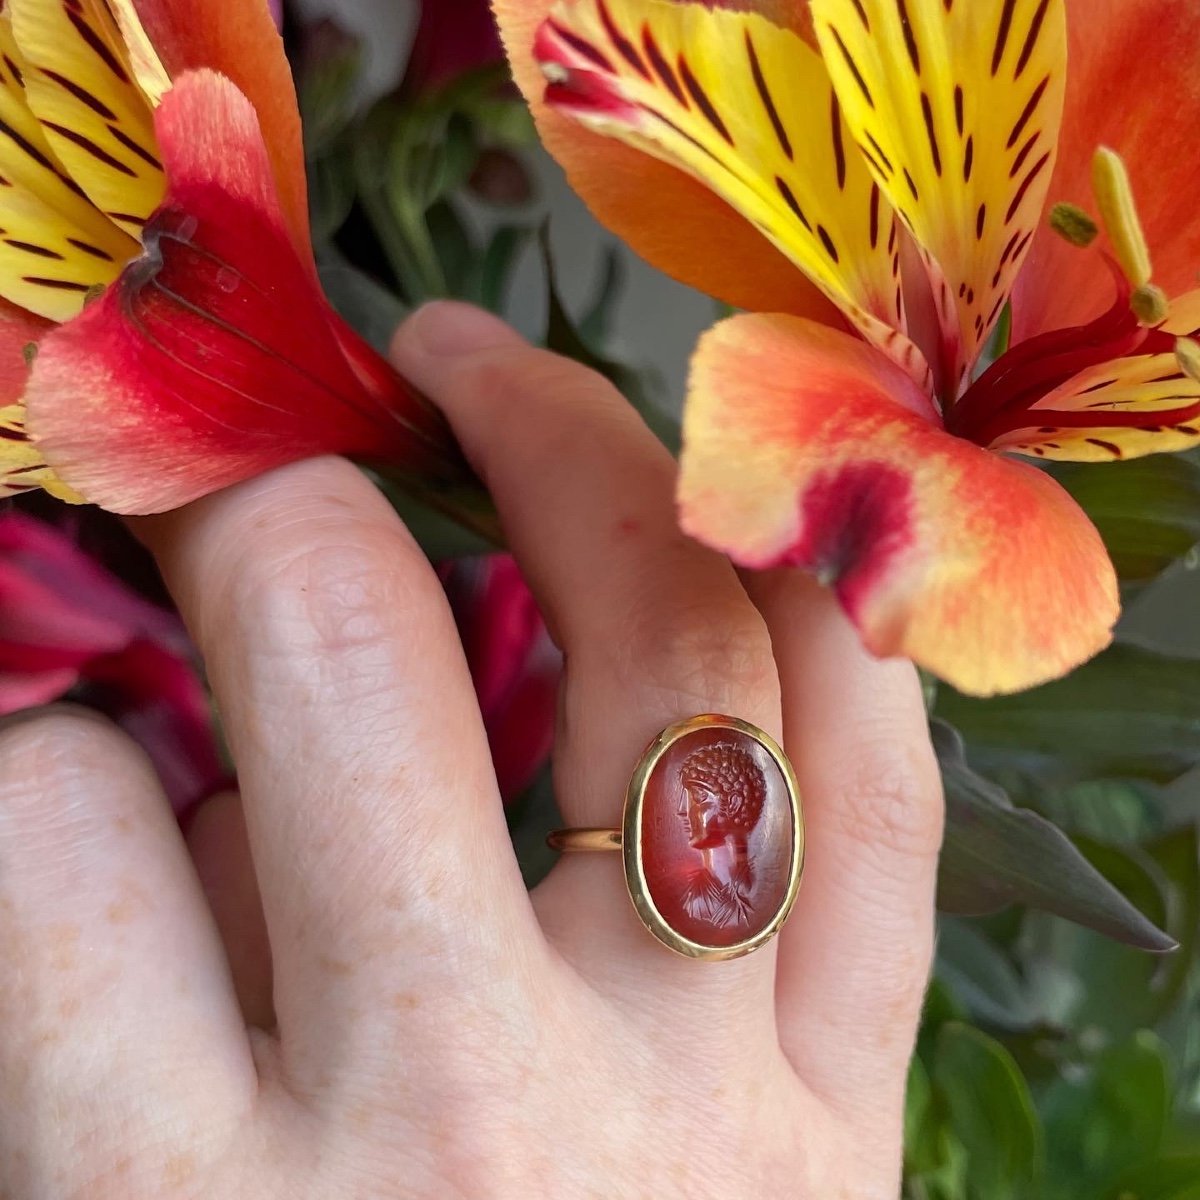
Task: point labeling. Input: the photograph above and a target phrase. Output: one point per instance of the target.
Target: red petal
(58, 607)
(156, 697)
(805, 447)
(1132, 84)
(214, 356)
(514, 664)
(18, 329)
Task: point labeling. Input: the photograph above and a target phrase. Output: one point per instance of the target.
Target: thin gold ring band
(573, 841)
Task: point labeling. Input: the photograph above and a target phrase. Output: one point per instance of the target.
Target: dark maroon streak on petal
(855, 521)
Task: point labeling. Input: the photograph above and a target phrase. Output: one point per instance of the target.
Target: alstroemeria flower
(514, 664)
(154, 243)
(69, 626)
(453, 37)
(875, 174)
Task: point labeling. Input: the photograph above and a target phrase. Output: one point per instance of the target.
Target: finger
(377, 833)
(122, 1038)
(654, 627)
(220, 849)
(855, 956)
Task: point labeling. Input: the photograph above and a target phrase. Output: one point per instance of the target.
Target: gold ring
(712, 837)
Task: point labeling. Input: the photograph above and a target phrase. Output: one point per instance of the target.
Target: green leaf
(455, 247)
(935, 1161)
(595, 326)
(330, 194)
(1175, 1178)
(990, 1111)
(983, 977)
(1108, 1120)
(995, 854)
(1119, 991)
(1146, 509)
(326, 83)
(496, 266)
(919, 1119)
(1130, 713)
(1110, 810)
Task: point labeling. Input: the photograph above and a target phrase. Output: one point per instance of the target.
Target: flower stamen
(1119, 216)
(1071, 222)
(1118, 212)
(1187, 355)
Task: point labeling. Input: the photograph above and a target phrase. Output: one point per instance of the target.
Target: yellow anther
(1118, 213)
(1149, 304)
(1187, 355)
(1071, 222)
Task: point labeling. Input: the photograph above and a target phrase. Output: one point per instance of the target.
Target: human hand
(430, 1029)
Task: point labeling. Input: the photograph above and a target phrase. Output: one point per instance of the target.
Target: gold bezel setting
(631, 839)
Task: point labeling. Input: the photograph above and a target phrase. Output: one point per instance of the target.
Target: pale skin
(430, 1029)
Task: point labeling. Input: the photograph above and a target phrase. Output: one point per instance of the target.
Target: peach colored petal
(803, 446)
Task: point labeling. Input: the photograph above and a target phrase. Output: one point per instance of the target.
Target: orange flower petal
(239, 39)
(1133, 84)
(668, 217)
(805, 447)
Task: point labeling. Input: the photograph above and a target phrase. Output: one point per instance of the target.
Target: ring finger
(654, 627)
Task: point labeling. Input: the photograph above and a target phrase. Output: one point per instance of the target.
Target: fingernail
(445, 328)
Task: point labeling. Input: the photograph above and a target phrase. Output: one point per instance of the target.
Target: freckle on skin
(405, 1001)
(131, 898)
(629, 525)
(123, 824)
(361, 1116)
(335, 966)
(179, 1168)
(63, 940)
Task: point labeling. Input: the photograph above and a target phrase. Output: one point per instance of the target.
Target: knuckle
(891, 806)
(51, 746)
(330, 595)
(47, 759)
(717, 652)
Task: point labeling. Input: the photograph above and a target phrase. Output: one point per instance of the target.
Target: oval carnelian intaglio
(713, 838)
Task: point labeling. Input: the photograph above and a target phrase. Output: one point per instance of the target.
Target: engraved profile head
(724, 790)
